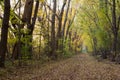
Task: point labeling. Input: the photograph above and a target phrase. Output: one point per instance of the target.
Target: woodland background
(57, 29)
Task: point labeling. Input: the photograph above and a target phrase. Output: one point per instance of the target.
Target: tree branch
(50, 9)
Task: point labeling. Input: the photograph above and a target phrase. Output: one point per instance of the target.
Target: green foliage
(25, 52)
(12, 41)
(94, 26)
(67, 51)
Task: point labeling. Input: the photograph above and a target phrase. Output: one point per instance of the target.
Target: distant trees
(58, 26)
(102, 20)
(114, 23)
(40, 24)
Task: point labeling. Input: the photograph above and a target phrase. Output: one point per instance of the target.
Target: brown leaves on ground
(79, 67)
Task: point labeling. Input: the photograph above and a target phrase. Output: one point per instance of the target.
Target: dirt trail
(79, 67)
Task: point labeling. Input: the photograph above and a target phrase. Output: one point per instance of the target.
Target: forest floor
(78, 67)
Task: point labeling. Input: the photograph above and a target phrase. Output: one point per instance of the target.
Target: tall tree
(66, 18)
(53, 40)
(59, 33)
(30, 21)
(4, 32)
(31, 27)
(115, 28)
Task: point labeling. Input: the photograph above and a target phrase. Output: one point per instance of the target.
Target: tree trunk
(114, 29)
(15, 51)
(27, 18)
(66, 17)
(4, 32)
(53, 41)
(59, 33)
(31, 28)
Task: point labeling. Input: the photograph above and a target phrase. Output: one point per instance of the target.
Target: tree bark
(66, 18)
(59, 33)
(27, 18)
(53, 40)
(114, 29)
(4, 32)
(31, 28)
